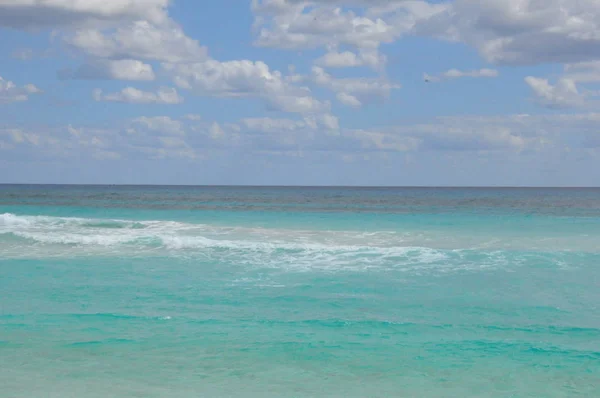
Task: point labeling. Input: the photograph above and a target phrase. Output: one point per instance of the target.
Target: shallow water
(189, 292)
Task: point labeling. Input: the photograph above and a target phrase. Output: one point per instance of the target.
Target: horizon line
(304, 186)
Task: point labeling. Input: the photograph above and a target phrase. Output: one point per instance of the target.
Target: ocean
(141, 291)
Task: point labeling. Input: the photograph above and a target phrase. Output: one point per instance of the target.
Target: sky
(294, 92)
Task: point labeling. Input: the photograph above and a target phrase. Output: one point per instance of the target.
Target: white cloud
(122, 48)
(349, 59)
(30, 14)
(44, 142)
(522, 32)
(159, 124)
(382, 141)
(245, 79)
(18, 136)
(132, 95)
(312, 24)
(324, 26)
(216, 132)
(574, 88)
(74, 131)
(165, 137)
(354, 91)
(518, 132)
(583, 72)
(456, 74)
(297, 103)
(508, 134)
(348, 100)
(123, 69)
(513, 133)
(271, 125)
(330, 122)
(562, 95)
(227, 79)
(10, 92)
(146, 137)
(162, 137)
(444, 137)
(139, 40)
(266, 133)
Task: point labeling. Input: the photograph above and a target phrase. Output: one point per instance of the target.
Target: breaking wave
(43, 236)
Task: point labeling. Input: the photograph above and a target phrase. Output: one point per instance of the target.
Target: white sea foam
(242, 245)
(178, 235)
(10, 220)
(42, 236)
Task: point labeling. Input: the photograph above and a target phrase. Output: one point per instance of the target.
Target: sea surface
(110, 291)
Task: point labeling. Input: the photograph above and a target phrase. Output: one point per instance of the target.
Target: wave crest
(251, 245)
(43, 236)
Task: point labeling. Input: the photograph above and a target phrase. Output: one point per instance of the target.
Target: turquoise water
(299, 292)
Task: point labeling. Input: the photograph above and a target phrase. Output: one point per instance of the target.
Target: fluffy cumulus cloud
(325, 23)
(115, 36)
(34, 14)
(354, 91)
(521, 31)
(530, 32)
(245, 79)
(347, 59)
(321, 27)
(123, 69)
(131, 95)
(574, 88)
(121, 40)
(10, 92)
(138, 40)
(508, 32)
(563, 94)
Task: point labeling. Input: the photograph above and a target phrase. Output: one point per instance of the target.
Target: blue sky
(293, 92)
